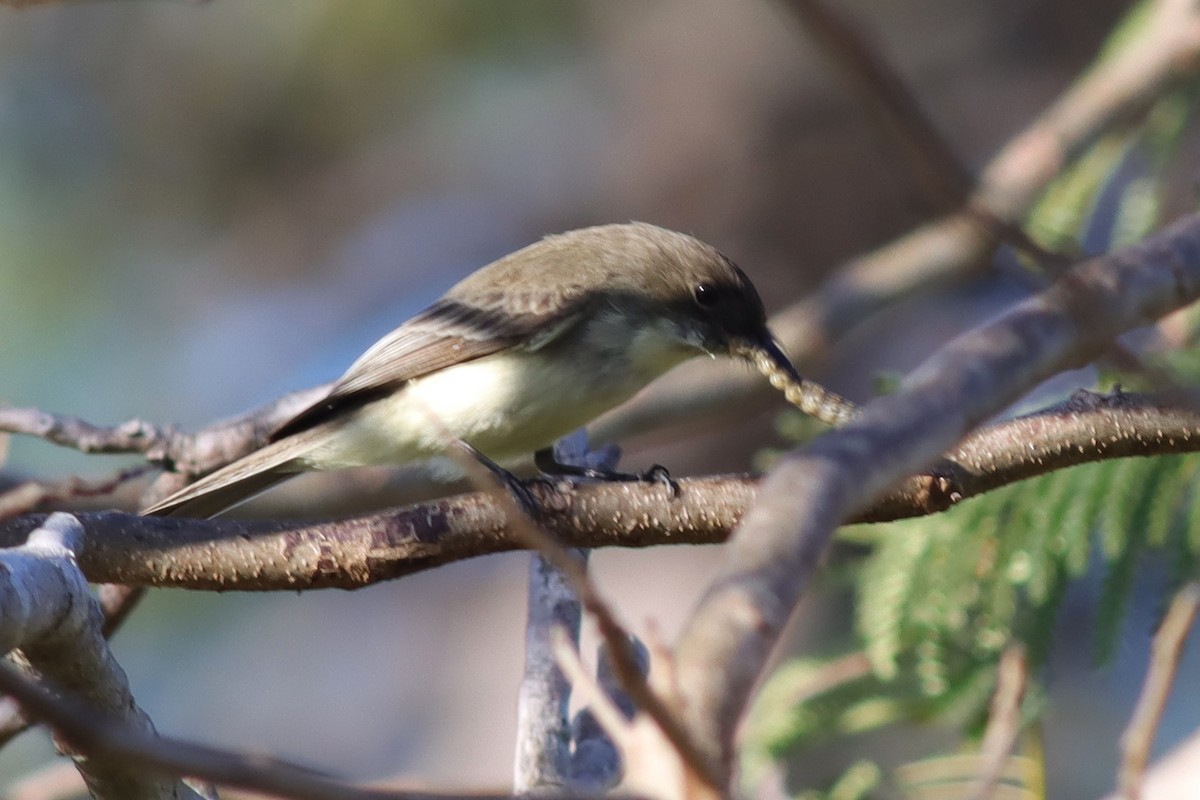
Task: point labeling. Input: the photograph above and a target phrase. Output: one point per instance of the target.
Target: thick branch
(779, 546)
(231, 554)
(543, 752)
(50, 615)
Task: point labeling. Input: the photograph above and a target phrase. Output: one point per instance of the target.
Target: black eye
(706, 294)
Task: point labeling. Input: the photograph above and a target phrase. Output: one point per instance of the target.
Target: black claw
(660, 474)
(549, 465)
(545, 461)
(521, 492)
(516, 487)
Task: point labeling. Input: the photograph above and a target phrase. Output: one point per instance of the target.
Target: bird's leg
(548, 462)
(514, 485)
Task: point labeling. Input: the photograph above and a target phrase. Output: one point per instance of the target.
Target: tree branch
(1118, 89)
(1004, 722)
(544, 732)
(1176, 776)
(860, 62)
(102, 736)
(543, 748)
(231, 554)
(780, 543)
(654, 710)
(193, 454)
(1166, 652)
(28, 495)
(50, 615)
(938, 171)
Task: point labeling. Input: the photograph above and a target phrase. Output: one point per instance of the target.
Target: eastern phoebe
(520, 353)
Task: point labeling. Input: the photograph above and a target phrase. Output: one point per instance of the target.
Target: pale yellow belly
(506, 406)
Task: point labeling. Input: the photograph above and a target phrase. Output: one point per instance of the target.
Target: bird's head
(685, 294)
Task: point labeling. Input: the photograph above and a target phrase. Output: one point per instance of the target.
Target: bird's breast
(506, 405)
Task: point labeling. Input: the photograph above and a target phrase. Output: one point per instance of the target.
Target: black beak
(774, 352)
(765, 351)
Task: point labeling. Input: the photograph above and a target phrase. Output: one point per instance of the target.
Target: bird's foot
(546, 461)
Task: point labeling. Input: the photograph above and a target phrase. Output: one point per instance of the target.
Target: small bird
(515, 356)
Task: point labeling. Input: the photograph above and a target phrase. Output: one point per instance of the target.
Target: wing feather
(448, 332)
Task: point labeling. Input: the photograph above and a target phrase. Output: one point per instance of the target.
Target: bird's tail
(241, 480)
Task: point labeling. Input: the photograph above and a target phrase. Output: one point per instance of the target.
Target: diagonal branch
(1119, 89)
(622, 654)
(1166, 652)
(100, 735)
(860, 62)
(780, 543)
(931, 159)
(1004, 722)
(28, 495)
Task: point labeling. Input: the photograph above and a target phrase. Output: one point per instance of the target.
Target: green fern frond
(941, 596)
(788, 712)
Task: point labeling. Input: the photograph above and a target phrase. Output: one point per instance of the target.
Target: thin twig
(194, 454)
(623, 658)
(1004, 721)
(1152, 702)
(1175, 776)
(937, 169)
(134, 436)
(29, 495)
(94, 733)
(589, 692)
(935, 165)
(844, 670)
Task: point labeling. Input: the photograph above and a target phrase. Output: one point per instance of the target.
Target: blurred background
(204, 206)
